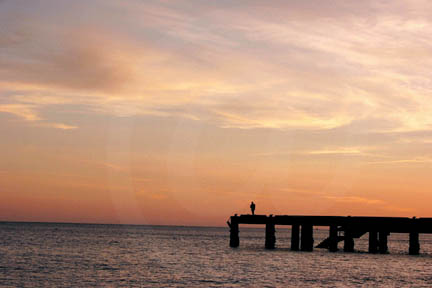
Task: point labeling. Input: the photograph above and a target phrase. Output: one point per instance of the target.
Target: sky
(182, 112)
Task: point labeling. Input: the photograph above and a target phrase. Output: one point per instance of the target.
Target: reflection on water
(154, 256)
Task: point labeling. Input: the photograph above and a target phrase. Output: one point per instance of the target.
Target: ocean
(87, 255)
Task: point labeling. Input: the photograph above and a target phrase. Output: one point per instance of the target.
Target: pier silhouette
(341, 229)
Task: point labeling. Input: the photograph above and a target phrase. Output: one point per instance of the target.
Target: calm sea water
(81, 255)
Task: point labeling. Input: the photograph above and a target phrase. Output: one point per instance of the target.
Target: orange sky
(161, 112)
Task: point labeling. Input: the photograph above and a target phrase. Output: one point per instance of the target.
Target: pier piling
(333, 236)
(348, 240)
(234, 232)
(373, 242)
(295, 237)
(414, 244)
(270, 238)
(382, 239)
(306, 237)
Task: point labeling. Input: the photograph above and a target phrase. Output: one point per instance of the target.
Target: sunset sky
(182, 112)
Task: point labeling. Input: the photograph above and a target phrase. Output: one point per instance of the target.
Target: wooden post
(348, 240)
(373, 242)
(382, 239)
(414, 244)
(295, 237)
(270, 238)
(234, 232)
(333, 235)
(306, 237)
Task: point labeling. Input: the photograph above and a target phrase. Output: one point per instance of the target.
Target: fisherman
(252, 207)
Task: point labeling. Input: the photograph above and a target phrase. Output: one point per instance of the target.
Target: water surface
(74, 255)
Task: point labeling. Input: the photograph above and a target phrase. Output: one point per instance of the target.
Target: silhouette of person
(252, 206)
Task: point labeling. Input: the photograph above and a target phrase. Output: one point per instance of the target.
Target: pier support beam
(333, 238)
(295, 237)
(306, 237)
(373, 242)
(348, 241)
(414, 244)
(270, 238)
(234, 233)
(382, 239)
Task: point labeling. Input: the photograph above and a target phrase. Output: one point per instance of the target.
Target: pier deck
(341, 228)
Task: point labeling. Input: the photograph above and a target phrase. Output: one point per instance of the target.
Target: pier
(341, 229)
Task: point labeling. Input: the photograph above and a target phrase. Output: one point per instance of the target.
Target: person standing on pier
(252, 207)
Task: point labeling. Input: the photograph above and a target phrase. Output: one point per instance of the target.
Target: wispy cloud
(342, 150)
(24, 111)
(355, 199)
(58, 126)
(29, 113)
(312, 69)
(415, 160)
(377, 203)
(366, 151)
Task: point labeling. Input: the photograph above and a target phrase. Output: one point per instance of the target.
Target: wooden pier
(341, 229)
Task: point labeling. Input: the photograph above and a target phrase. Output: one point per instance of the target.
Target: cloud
(28, 113)
(340, 150)
(375, 203)
(293, 65)
(415, 160)
(83, 61)
(355, 199)
(24, 111)
(61, 126)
